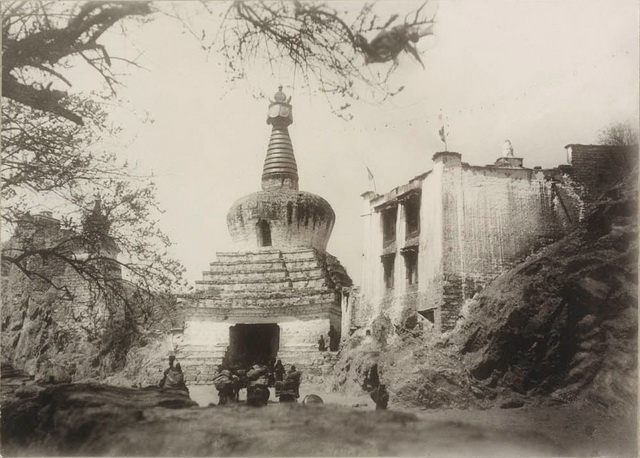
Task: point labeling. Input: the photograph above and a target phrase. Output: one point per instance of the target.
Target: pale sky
(540, 73)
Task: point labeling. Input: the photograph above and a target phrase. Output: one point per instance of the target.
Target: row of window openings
(412, 220)
(410, 264)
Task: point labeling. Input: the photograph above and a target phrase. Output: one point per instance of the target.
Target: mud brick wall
(493, 218)
(598, 167)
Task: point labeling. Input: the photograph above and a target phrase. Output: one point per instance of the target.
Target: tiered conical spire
(280, 168)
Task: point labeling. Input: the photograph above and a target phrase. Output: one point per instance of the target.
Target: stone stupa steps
(275, 268)
(217, 278)
(263, 271)
(296, 284)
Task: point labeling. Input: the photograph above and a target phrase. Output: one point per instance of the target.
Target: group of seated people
(257, 379)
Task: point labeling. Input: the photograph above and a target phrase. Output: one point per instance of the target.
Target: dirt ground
(103, 420)
(566, 430)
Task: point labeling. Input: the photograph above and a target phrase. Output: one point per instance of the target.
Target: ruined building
(280, 290)
(433, 242)
(52, 316)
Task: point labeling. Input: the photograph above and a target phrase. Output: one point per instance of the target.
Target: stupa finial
(280, 168)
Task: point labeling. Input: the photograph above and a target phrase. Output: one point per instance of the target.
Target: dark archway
(251, 343)
(264, 233)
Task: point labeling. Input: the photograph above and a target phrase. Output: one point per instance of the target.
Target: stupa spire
(280, 168)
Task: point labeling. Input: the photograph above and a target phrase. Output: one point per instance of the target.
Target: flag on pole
(443, 134)
(442, 137)
(372, 181)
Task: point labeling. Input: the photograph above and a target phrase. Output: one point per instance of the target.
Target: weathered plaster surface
(475, 222)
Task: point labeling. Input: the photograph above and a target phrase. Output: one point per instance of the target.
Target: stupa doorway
(250, 343)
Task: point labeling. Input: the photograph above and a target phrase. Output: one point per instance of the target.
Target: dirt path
(572, 430)
(95, 419)
(579, 431)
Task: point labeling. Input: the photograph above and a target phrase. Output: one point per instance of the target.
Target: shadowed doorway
(250, 343)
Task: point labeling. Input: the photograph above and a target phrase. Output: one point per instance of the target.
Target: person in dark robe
(322, 346)
(381, 397)
(272, 372)
(278, 371)
(174, 379)
(166, 371)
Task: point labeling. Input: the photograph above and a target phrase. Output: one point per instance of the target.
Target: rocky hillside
(560, 327)
(564, 323)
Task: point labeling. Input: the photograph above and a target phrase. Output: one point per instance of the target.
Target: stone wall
(598, 167)
(493, 219)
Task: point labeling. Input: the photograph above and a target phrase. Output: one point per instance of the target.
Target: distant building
(432, 243)
(54, 311)
(280, 291)
(598, 167)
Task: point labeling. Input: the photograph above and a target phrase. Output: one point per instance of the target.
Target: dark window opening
(411, 265)
(428, 314)
(289, 213)
(264, 233)
(389, 218)
(412, 215)
(388, 263)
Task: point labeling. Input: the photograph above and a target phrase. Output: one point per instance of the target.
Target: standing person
(322, 346)
(278, 371)
(381, 397)
(272, 372)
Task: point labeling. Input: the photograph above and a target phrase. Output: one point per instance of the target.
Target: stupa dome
(280, 215)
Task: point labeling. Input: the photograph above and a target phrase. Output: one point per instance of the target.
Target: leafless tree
(39, 37)
(328, 47)
(619, 133)
(41, 40)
